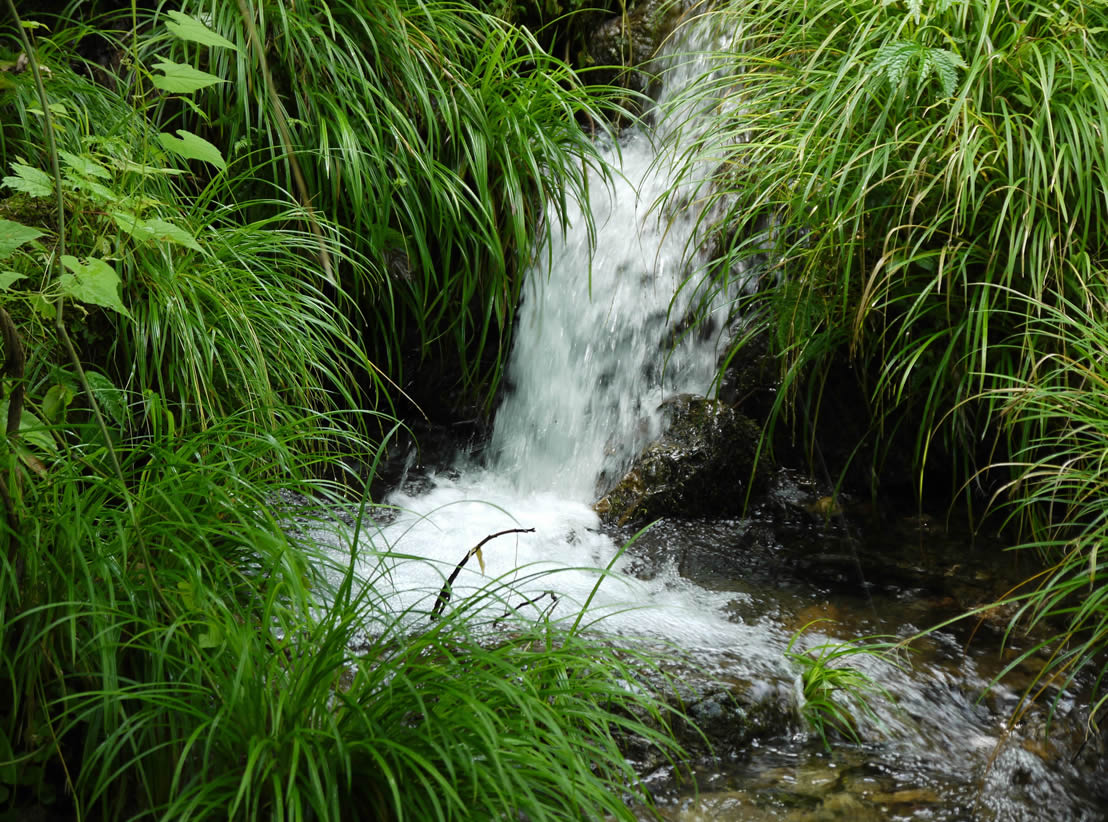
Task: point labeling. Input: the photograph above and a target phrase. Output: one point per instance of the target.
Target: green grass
(923, 191)
(832, 694)
(894, 163)
(436, 134)
(1056, 495)
(176, 365)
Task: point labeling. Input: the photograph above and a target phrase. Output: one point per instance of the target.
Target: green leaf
(85, 166)
(56, 401)
(13, 235)
(9, 277)
(188, 593)
(154, 230)
(32, 430)
(30, 180)
(94, 282)
(213, 638)
(57, 109)
(946, 64)
(111, 397)
(191, 147)
(892, 60)
(189, 28)
(180, 78)
(43, 306)
(98, 192)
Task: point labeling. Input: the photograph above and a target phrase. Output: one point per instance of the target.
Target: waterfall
(595, 354)
(592, 360)
(599, 344)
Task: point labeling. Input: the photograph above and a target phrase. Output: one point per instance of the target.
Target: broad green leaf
(32, 430)
(57, 109)
(97, 191)
(94, 282)
(109, 395)
(56, 401)
(189, 28)
(13, 235)
(213, 638)
(143, 169)
(191, 147)
(9, 277)
(30, 180)
(43, 306)
(187, 592)
(85, 166)
(154, 230)
(180, 78)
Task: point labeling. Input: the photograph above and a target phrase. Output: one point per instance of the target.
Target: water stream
(591, 365)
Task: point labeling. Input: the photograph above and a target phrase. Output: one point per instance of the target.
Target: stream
(591, 365)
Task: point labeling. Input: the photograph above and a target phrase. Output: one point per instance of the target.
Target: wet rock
(910, 796)
(703, 465)
(620, 50)
(814, 780)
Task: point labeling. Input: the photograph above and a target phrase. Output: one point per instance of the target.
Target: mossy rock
(703, 465)
(620, 50)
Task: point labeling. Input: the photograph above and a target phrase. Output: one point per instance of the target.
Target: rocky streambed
(953, 738)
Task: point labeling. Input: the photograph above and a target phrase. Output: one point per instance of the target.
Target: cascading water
(592, 362)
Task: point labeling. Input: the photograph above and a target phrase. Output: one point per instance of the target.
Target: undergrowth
(923, 191)
(182, 344)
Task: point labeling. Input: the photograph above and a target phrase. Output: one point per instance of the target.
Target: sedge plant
(900, 171)
(443, 138)
(830, 693)
(925, 189)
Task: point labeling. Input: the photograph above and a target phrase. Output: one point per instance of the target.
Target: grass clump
(176, 372)
(923, 189)
(1057, 406)
(445, 139)
(830, 694)
(905, 170)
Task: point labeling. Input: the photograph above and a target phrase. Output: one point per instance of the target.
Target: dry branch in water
(444, 594)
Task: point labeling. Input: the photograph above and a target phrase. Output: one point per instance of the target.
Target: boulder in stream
(702, 465)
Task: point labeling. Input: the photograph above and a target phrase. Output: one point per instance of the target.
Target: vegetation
(441, 137)
(830, 694)
(922, 187)
(183, 263)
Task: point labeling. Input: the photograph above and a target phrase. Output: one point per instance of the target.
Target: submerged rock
(703, 465)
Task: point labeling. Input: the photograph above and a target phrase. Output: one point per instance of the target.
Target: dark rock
(703, 465)
(619, 52)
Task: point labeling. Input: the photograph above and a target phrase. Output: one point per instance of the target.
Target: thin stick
(444, 594)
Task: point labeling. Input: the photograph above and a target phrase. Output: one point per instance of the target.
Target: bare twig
(514, 609)
(444, 594)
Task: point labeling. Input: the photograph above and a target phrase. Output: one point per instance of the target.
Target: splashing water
(599, 346)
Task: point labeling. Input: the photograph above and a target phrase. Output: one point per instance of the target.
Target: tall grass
(925, 189)
(1058, 408)
(171, 647)
(896, 162)
(437, 134)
